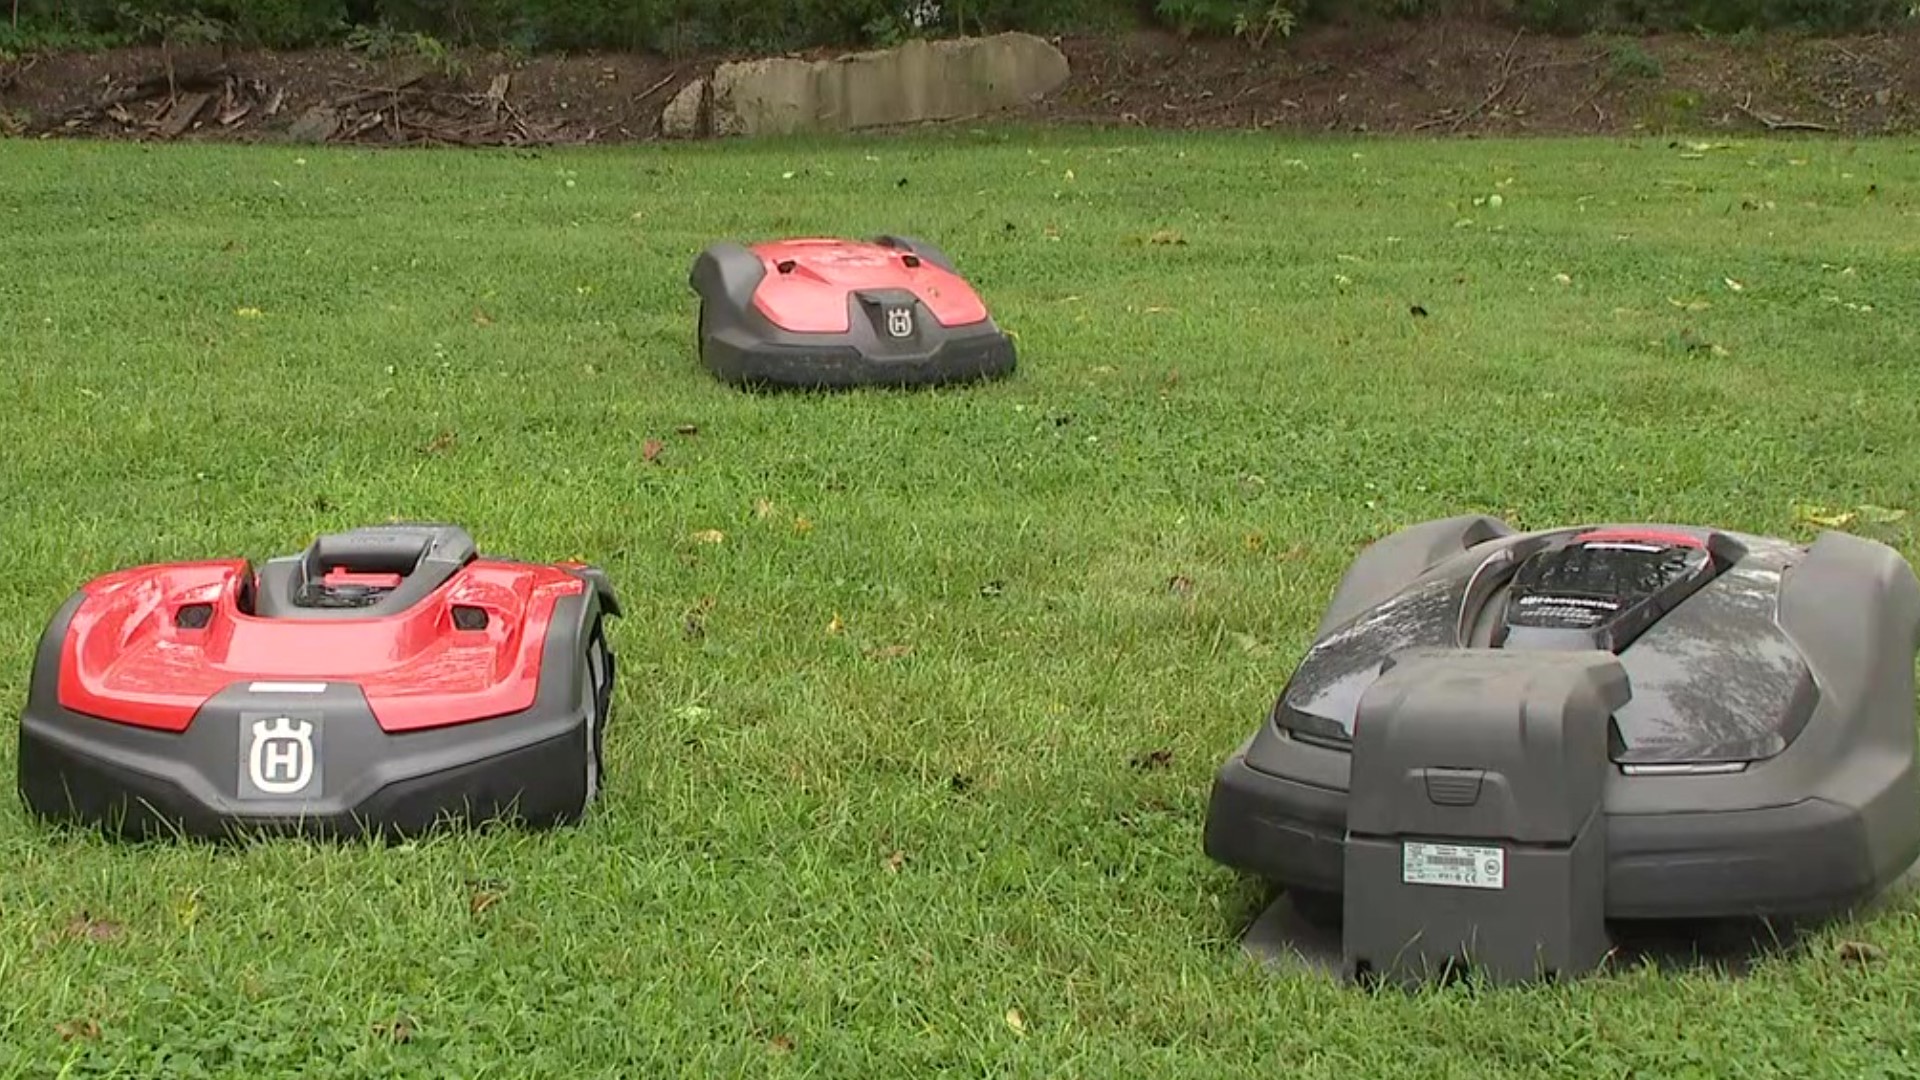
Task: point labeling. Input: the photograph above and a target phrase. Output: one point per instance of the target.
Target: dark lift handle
(373, 551)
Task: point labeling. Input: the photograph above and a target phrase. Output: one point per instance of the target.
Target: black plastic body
(739, 345)
(536, 768)
(1763, 765)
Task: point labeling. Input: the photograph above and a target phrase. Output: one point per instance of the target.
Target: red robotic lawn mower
(826, 313)
(384, 681)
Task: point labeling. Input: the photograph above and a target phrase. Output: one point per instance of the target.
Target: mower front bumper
(525, 769)
(792, 361)
(1810, 856)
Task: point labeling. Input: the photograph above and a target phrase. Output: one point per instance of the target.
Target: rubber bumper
(136, 783)
(957, 358)
(1809, 857)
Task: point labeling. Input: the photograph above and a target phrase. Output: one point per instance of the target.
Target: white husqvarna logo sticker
(280, 758)
(900, 322)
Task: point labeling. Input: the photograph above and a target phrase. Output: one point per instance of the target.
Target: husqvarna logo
(900, 322)
(280, 758)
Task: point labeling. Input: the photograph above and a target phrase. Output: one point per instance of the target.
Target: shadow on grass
(1307, 938)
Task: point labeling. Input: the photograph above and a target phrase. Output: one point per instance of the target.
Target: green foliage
(1212, 18)
(1257, 26)
(679, 27)
(1722, 16)
(1628, 59)
(30, 37)
(1254, 21)
(189, 27)
(1040, 16)
(382, 42)
(275, 24)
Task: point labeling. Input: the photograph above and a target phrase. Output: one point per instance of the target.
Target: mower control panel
(1602, 589)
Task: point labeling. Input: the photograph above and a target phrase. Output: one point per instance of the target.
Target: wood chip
(364, 124)
(185, 111)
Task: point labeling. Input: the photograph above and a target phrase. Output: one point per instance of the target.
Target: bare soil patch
(1432, 79)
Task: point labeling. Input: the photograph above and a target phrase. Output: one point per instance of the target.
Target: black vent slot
(193, 616)
(469, 618)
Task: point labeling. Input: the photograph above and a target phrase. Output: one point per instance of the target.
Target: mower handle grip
(396, 549)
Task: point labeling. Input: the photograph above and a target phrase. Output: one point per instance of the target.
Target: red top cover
(1662, 537)
(812, 298)
(125, 659)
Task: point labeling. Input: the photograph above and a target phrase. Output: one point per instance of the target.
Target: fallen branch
(1547, 65)
(1455, 120)
(1849, 54)
(364, 124)
(368, 93)
(1222, 104)
(152, 85)
(145, 90)
(1592, 100)
(655, 88)
(1778, 124)
(1499, 87)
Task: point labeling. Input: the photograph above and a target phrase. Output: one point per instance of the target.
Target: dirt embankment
(1423, 79)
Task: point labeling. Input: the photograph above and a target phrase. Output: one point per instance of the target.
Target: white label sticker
(1453, 865)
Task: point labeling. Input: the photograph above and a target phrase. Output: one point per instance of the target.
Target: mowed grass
(907, 773)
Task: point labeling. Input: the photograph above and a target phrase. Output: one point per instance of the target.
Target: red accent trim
(1651, 536)
(337, 576)
(812, 299)
(125, 660)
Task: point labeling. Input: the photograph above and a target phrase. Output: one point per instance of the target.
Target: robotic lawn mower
(829, 314)
(384, 681)
(1502, 740)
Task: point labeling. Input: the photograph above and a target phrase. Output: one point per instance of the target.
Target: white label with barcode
(1453, 864)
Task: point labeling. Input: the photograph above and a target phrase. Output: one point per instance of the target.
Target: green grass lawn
(907, 774)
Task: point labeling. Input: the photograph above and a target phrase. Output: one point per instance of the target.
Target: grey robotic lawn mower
(1503, 741)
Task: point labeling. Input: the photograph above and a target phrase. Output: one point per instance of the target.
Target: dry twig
(655, 88)
(1499, 87)
(1777, 124)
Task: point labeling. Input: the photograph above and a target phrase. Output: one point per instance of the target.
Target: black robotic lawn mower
(832, 314)
(1501, 741)
(385, 681)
